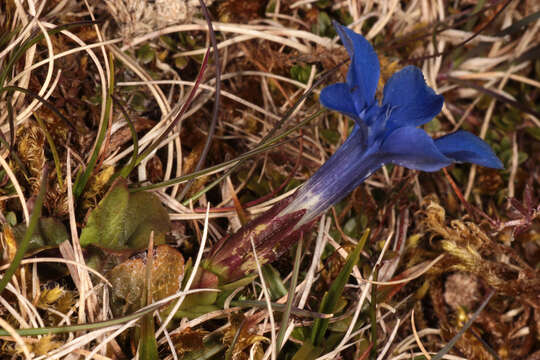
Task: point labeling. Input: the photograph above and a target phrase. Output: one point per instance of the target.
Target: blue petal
(462, 146)
(411, 101)
(338, 97)
(364, 71)
(346, 37)
(412, 148)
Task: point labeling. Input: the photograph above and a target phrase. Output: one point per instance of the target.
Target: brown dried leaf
(10, 244)
(248, 335)
(128, 281)
(189, 340)
(123, 135)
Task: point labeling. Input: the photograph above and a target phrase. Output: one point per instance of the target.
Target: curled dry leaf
(189, 340)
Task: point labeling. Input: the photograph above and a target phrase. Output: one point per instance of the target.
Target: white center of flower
(308, 201)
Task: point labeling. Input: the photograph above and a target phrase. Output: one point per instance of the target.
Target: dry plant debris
(117, 97)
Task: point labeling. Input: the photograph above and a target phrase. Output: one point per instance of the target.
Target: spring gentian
(385, 132)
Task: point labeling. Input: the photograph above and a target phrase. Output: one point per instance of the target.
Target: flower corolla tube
(384, 133)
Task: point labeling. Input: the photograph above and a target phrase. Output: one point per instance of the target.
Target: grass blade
(331, 298)
(148, 349)
(287, 314)
(178, 117)
(30, 42)
(126, 170)
(96, 325)
(81, 181)
(215, 110)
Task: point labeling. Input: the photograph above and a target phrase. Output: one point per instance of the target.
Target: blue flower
(383, 133)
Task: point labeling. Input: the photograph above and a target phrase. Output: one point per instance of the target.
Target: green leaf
(350, 227)
(534, 132)
(169, 42)
(82, 178)
(273, 279)
(181, 62)
(107, 222)
(227, 289)
(332, 136)
(292, 288)
(138, 101)
(301, 73)
(193, 312)
(53, 231)
(331, 299)
(433, 126)
(145, 54)
(11, 218)
(308, 352)
(49, 233)
(148, 349)
(124, 220)
(323, 25)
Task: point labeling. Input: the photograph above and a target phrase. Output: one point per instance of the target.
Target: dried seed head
(136, 17)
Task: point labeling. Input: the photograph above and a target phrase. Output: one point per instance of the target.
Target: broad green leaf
(227, 289)
(146, 214)
(433, 126)
(205, 280)
(124, 220)
(323, 25)
(181, 62)
(11, 218)
(138, 101)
